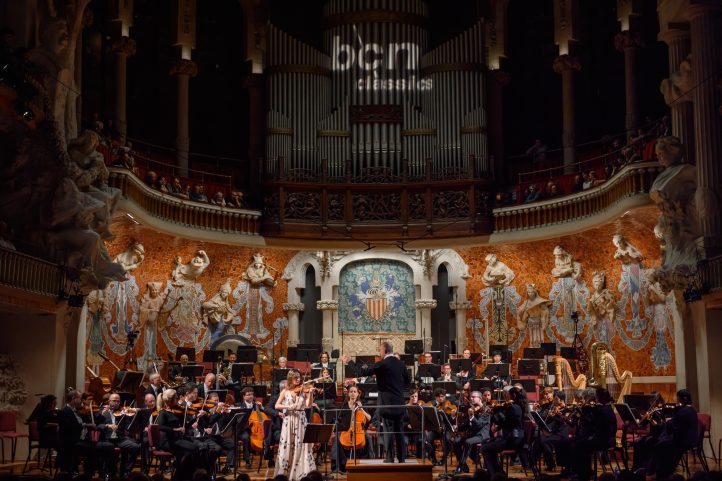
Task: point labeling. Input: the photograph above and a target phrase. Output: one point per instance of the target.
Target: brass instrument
(605, 373)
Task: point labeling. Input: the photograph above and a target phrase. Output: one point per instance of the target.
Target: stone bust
(564, 265)
(497, 274)
(257, 273)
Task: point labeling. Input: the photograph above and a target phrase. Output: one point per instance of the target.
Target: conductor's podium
(377, 470)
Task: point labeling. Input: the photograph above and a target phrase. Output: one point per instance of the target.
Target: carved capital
(327, 305)
(184, 67)
(428, 341)
(425, 303)
(626, 39)
(124, 45)
(292, 342)
(290, 306)
(459, 305)
(566, 62)
(327, 344)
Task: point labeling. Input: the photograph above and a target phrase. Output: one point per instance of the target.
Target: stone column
(707, 123)
(628, 43)
(460, 308)
(330, 328)
(679, 46)
(566, 65)
(122, 48)
(254, 84)
(292, 310)
(424, 307)
(496, 81)
(184, 70)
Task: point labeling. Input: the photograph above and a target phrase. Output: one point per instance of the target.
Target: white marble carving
(185, 274)
(132, 257)
(565, 265)
(534, 315)
(602, 306)
(497, 274)
(680, 85)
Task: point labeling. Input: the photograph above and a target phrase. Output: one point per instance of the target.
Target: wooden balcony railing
(198, 215)
(632, 180)
(711, 273)
(21, 271)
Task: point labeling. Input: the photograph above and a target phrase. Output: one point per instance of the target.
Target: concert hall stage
(377, 470)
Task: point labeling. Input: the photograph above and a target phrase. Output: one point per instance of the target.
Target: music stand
(371, 392)
(259, 390)
(247, 355)
(308, 355)
(436, 357)
(361, 360)
(568, 352)
(414, 346)
(341, 422)
(408, 359)
(549, 348)
(280, 374)
(498, 370)
(190, 351)
(481, 385)
(192, 371)
(429, 370)
(503, 349)
(528, 367)
(543, 426)
(641, 402)
(460, 365)
(626, 413)
(529, 385)
(316, 372)
(241, 369)
(291, 353)
(128, 381)
(533, 353)
(213, 356)
(450, 387)
(318, 433)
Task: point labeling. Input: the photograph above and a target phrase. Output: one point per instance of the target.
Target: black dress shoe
(458, 470)
(401, 461)
(387, 460)
(465, 468)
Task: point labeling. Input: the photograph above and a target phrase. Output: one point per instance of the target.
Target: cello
(354, 437)
(255, 423)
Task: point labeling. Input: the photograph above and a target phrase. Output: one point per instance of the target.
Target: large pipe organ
(378, 128)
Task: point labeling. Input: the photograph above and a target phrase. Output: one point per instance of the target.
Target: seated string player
(114, 430)
(477, 428)
(445, 434)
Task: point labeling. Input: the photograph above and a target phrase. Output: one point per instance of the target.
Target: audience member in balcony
(175, 187)
(534, 194)
(197, 193)
(187, 191)
(501, 199)
(236, 200)
(553, 190)
(609, 171)
(578, 185)
(538, 152)
(592, 180)
(97, 124)
(162, 185)
(6, 235)
(151, 178)
(218, 199)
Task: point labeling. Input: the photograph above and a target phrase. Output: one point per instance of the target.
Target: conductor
(391, 377)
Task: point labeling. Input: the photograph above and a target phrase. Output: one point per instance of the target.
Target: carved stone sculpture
(257, 273)
(602, 306)
(218, 310)
(534, 315)
(680, 85)
(626, 252)
(564, 265)
(497, 274)
(673, 191)
(132, 257)
(150, 307)
(185, 274)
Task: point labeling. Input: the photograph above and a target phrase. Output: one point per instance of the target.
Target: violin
(306, 387)
(448, 408)
(201, 405)
(126, 411)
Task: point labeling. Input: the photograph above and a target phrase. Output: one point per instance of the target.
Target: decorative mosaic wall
(376, 296)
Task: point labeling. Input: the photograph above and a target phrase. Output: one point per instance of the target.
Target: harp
(565, 380)
(605, 373)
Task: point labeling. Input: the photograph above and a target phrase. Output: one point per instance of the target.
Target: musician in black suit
(478, 430)
(597, 432)
(659, 452)
(155, 387)
(113, 427)
(509, 416)
(74, 436)
(391, 377)
(274, 434)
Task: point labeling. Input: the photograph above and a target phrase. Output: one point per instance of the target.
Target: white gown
(295, 459)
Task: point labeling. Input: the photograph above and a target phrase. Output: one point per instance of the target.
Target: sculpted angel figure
(564, 265)
(534, 315)
(626, 252)
(602, 307)
(150, 307)
(257, 273)
(184, 274)
(217, 310)
(132, 257)
(497, 274)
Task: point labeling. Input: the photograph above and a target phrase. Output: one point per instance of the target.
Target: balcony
(30, 274)
(178, 216)
(560, 215)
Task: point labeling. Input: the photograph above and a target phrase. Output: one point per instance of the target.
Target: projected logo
(391, 67)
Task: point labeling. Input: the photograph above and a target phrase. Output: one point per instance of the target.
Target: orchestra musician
(75, 439)
(176, 370)
(114, 424)
(509, 417)
(173, 434)
(146, 417)
(248, 401)
(441, 402)
(448, 376)
(295, 458)
(412, 435)
(155, 386)
(45, 416)
(425, 382)
(325, 390)
(342, 447)
(477, 428)
(323, 361)
(660, 452)
(208, 385)
(596, 432)
(550, 410)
